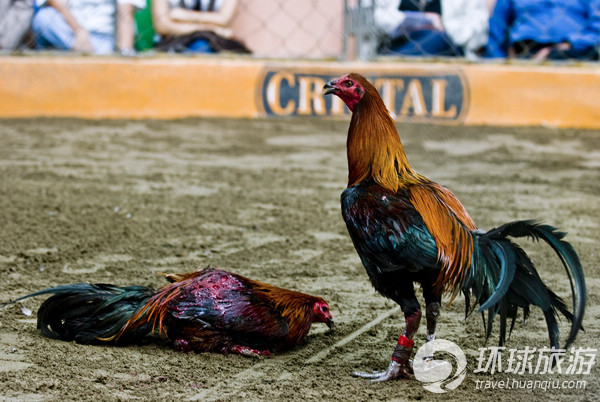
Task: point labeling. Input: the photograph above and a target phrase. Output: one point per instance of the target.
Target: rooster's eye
(348, 83)
(324, 309)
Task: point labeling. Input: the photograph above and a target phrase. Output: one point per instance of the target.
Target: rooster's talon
(395, 370)
(249, 352)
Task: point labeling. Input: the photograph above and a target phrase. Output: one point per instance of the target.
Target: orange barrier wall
(126, 88)
(173, 87)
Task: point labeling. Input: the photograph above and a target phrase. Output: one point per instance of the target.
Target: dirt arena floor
(119, 201)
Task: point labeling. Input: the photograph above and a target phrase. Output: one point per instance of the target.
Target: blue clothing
(425, 43)
(51, 31)
(200, 46)
(544, 22)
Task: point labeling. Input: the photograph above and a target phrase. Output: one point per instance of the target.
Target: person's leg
(585, 54)
(51, 30)
(428, 43)
(102, 43)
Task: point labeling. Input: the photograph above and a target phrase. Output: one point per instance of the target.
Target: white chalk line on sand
(322, 354)
(349, 338)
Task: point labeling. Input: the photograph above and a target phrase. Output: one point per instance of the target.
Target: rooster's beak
(329, 323)
(329, 88)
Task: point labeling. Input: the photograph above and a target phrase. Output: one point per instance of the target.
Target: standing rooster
(209, 310)
(408, 229)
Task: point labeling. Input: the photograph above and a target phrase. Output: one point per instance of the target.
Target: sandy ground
(118, 201)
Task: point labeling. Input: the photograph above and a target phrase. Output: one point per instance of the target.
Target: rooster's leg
(432, 310)
(400, 366)
(182, 345)
(248, 351)
(432, 313)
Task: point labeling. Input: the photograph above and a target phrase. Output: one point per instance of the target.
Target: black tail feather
(503, 278)
(91, 314)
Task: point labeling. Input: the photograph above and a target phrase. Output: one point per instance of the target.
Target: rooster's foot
(394, 370)
(248, 351)
(182, 345)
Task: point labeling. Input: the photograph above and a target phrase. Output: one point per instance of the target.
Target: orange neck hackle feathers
(375, 152)
(295, 307)
(374, 148)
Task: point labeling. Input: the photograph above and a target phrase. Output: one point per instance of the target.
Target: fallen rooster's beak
(329, 323)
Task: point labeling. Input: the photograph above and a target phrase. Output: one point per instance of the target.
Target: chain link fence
(534, 30)
(471, 29)
(370, 29)
(291, 28)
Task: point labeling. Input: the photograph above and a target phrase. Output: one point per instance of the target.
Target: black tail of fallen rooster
(91, 314)
(503, 278)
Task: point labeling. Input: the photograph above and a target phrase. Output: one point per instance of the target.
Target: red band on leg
(405, 342)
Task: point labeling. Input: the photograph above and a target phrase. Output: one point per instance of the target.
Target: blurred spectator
(545, 29)
(15, 20)
(86, 25)
(432, 27)
(198, 26)
(145, 35)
